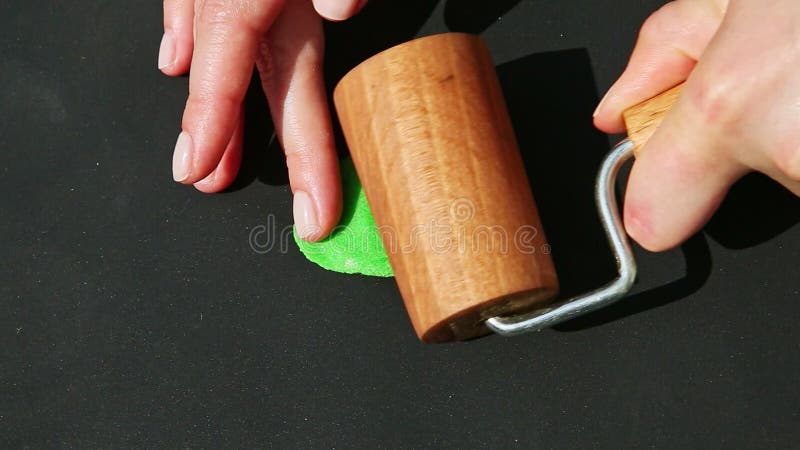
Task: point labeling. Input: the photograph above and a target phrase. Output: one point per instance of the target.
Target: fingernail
(305, 217)
(600, 105)
(182, 158)
(166, 53)
(335, 9)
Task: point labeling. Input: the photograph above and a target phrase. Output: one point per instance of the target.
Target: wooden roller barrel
(432, 142)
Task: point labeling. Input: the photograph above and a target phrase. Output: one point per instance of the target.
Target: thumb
(337, 10)
(679, 178)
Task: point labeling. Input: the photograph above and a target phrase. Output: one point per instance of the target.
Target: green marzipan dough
(355, 245)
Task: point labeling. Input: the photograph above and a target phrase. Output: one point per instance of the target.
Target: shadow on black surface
(380, 25)
(756, 210)
(698, 268)
(350, 43)
(347, 44)
(475, 16)
(743, 220)
(262, 155)
(551, 97)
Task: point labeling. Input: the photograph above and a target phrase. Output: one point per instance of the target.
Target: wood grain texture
(643, 119)
(431, 139)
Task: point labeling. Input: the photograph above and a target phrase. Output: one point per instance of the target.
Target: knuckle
(216, 12)
(303, 163)
(715, 104)
(213, 11)
(297, 153)
(250, 14)
(197, 103)
(203, 106)
(659, 22)
(259, 11)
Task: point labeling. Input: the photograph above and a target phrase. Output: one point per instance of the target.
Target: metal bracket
(612, 224)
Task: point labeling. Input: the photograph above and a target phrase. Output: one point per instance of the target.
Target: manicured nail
(305, 217)
(166, 53)
(182, 158)
(336, 9)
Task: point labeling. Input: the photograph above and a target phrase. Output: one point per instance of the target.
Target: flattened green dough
(355, 244)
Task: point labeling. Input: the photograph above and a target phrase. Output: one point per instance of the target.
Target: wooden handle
(431, 139)
(643, 119)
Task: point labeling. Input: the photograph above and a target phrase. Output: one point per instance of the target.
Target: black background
(135, 313)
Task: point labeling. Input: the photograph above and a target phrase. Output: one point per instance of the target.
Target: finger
(338, 9)
(679, 178)
(290, 63)
(222, 65)
(665, 53)
(175, 52)
(228, 166)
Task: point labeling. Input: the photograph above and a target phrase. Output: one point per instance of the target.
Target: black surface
(135, 312)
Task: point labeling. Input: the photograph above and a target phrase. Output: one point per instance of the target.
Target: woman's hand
(739, 111)
(221, 41)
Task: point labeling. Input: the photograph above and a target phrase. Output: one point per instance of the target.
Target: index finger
(669, 45)
(227, 36)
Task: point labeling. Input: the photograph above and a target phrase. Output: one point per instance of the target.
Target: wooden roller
(432, 142)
